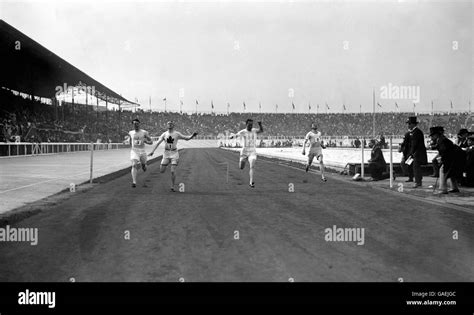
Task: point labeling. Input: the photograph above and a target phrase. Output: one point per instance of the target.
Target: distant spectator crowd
(22, 119)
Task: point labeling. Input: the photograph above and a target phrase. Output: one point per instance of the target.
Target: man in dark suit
(417, 150)
(404, 148)
(469, 166)
(452, 159)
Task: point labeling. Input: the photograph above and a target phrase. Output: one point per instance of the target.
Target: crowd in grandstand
(33, 121)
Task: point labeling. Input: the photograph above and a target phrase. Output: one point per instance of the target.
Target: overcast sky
(235, 52)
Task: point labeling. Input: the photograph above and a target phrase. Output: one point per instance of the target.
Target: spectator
(469, 167)
(377, 164)
(452, 159)
(462, 138)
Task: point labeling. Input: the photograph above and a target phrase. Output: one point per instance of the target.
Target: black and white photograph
(202, 145)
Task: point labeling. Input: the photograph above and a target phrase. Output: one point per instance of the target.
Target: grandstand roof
(33, 69)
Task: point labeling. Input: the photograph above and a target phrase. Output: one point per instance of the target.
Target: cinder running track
(192, 235)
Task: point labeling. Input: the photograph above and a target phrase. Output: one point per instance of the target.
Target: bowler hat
(436, 130)
(463, 131)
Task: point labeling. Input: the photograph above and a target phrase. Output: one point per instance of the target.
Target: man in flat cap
(452, 159)
(417, 150)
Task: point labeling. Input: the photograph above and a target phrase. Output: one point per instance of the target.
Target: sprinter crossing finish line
(249, 150)
(171, 154)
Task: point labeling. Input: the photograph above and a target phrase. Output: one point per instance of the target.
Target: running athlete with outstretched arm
(171, 153)
(249, 151)
(316, 146)
(138, 138)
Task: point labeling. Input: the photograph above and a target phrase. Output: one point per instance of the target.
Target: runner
(171, 154)
(249, 151)
(138, 137)
(316, 146)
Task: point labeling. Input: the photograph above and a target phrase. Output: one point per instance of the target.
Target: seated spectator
(377, 164)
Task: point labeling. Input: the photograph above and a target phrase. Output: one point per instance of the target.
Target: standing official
(417, 150)
(404, 149)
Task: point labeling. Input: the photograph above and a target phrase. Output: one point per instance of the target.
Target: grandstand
(33, 121)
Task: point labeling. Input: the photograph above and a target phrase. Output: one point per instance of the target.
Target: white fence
(30, 149)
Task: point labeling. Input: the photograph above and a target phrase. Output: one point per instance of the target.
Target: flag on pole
(212, 105)
(293, 104)
(164, 99)
(309, 106)
(327, 106)
(245, 106)
(379, 105)
(197, 103)
(344, 107)
(396, 105)
(452, 105)
(181, 102)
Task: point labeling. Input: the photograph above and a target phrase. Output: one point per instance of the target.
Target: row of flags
(344, 107)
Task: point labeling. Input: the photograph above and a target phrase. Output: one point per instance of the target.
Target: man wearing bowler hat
(452, 159)
(417, 150)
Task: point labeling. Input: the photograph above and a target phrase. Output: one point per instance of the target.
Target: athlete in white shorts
(249, 151)
(138, 137)
(171, 154)
(315, 151)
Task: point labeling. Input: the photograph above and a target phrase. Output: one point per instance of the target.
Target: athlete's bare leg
(310, 161)
(321, 167)
(143, 163)
(252, 171)
(134, 172)
(173, 175)
(163, 168)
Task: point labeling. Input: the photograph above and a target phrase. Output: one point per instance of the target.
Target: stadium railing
(31, 149)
